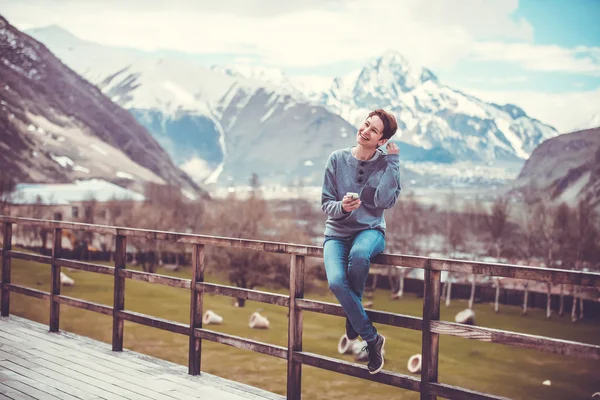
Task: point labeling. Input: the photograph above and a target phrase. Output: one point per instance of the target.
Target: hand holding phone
(351, 201)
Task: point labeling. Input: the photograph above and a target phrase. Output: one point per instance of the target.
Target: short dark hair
(389, 122)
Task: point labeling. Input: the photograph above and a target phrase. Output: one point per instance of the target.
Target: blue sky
(543, 55)
(567, 24)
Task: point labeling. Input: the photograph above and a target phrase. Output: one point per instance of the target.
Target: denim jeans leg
(335, 254)
(365, 246)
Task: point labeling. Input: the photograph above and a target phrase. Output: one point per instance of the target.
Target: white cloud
(581, 59)
(284, 33)
(567, 112)
(197, 168)
(498, 79)
(311, 83)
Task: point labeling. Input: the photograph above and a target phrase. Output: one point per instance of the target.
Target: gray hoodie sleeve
(329, 203)
(389, 188)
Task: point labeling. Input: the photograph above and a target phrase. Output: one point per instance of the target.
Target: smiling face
(370, 132)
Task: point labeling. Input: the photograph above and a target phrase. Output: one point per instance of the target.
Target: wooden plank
(359, 371)
(90, 369)
(51, 224)
(6, 247)
(86, 346)
(513, 339)
(93, 381)
(30, 257)
(34, 392)
(67, 361)
(196, 306)
(457, 393)
(154, 322)
(14, 394)
(119, 292)
(35, 375)
(29, 292)
(294, 367)
(84, 266)
(64, 343)
(55, 281)
(248, 294)
(242, 343)
(69, 377)
(590, 279)
(24, 382)
(556, 276)
(85, 305)
(381, 317)
(155, 278)
(430, 340)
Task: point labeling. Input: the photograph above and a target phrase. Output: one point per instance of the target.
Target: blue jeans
(347, 262)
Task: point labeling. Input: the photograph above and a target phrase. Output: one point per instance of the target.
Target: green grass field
(492, 368)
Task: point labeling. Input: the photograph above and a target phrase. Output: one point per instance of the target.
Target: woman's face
(370, 132)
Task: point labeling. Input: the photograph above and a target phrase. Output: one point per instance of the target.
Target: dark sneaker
(375, 351)
(350, 332)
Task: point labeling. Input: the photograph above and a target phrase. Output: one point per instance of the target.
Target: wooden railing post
(294, 367)
(55, 281)
(6, 246)
(119, 292)
(195, 351)
(430, 340)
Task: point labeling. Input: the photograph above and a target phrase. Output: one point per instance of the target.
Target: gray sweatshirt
(377, 181)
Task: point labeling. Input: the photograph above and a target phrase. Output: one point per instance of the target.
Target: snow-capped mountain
(57, 127)
(223, 123)
(435, 117)
(202, 115)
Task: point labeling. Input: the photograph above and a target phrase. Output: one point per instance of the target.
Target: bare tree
(7, 188)
(496, 222)
(585, 235)
(251, 218)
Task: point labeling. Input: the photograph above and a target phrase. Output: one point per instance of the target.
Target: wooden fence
(430, 325)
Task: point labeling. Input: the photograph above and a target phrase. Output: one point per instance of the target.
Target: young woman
(355, 227)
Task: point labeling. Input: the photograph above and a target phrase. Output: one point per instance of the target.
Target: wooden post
(430, 341)
(6, 246)
(55, 281)
(195, 350)
(119, 292)
(294, 368)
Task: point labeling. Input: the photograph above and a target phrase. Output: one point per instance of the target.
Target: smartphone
(352, 195)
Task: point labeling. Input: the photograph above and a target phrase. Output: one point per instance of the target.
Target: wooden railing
(430, 325)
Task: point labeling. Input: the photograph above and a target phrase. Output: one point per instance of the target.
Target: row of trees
(529, 233)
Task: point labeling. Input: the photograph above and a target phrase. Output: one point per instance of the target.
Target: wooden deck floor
(36, 364)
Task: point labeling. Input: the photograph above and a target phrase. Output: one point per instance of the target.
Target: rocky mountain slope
(57, 127)
(566, 168)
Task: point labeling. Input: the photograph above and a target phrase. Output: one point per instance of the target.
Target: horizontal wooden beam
(154, 322)
(30, 257)
(513, 339)
(51, 224)
(359, 371)
(155, 278)
(556, 276)
(241, 343)
(28, 291)
(84, 266)
(240, 293)
(381, 317)
(85, 305)
(458, 393)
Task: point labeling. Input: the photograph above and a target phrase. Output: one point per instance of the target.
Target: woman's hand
(392, 148)
(349, 204)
